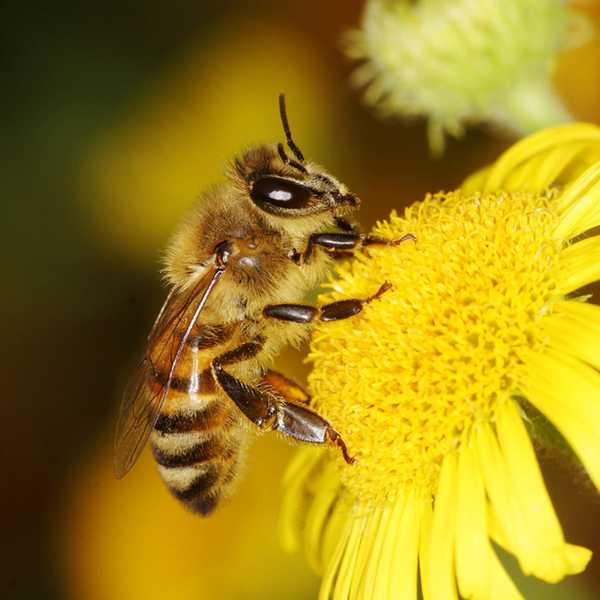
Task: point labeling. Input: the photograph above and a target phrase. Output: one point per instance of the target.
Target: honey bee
(236, 270)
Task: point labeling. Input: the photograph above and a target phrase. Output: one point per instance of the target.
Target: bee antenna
(286, 128)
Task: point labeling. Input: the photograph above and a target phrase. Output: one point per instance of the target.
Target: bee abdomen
(202, 493)
(201, 485)
(198, 454)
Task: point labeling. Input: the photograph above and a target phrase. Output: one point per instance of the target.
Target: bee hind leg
(272, 410)
(285, 387)
(296, 420)
(305, 425)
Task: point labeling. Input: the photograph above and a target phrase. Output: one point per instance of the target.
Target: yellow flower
(432, 384)
(466, 60)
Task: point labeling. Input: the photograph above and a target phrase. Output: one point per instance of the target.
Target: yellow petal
(477, 180)
(548, 556)
(376, 581)
(574, 328)
(346, 572)
(380, 567)
(579, 264)
(335, 529)
(580, 204)
(568, 393)
(575, 189)
(305, 459)
(295, 502)
(328, 485)
(332, 565)
(366, 554)
(441, 546)
(554, 166)
(424, 547)
(386, 567)
(496, 529)
(501, 585)
(402, 584)
(472, 545)
(506, 524)
(518, 165)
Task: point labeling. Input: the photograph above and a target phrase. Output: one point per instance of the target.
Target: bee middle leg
(273, 411)
(334, 311)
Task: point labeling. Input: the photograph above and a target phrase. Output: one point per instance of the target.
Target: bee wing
(142, 402)
(140, 407)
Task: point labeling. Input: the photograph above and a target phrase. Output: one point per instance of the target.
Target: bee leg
(286, 388)
(344, 242)
(270, 411)
(334, 311)
(305, 425)
(296, 420)
(258, 405)
(345, 225)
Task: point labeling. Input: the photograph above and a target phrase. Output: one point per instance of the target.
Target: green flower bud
(465, 61)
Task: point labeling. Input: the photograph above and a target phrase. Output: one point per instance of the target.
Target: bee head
(289, 186)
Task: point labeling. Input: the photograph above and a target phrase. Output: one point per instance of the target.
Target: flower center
(406, 381)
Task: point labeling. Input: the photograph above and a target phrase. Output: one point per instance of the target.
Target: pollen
(413, 376)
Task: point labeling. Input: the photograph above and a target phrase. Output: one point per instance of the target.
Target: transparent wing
(139, 410)
(144, 396)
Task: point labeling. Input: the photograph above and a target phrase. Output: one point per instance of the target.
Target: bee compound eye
(276, 192)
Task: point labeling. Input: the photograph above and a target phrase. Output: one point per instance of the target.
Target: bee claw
(383, 288)
(405, 238)
(336, 438)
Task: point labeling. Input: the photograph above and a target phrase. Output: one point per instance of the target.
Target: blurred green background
(116, 116)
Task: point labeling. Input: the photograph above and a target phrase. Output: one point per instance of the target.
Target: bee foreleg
(344, 242)
(334, 311)
(345, 225)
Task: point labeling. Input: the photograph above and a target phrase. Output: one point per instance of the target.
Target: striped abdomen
(198, 444)
(199, 439)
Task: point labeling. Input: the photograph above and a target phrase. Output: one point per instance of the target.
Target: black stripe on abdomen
(198, 486)
(200, 495)
(201, 452)
(206, 382)
(211, 417)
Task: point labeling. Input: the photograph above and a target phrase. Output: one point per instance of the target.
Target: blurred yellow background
(117, 117)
